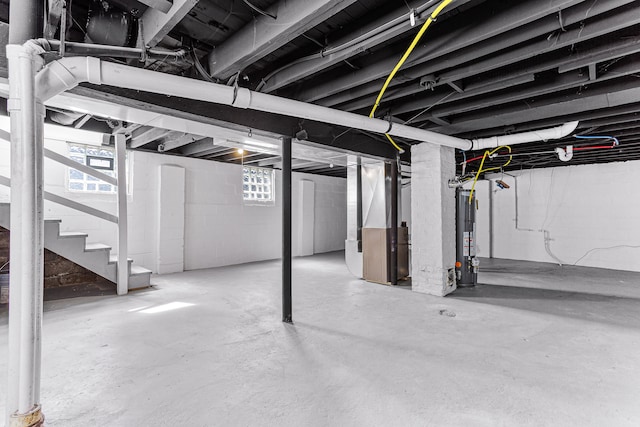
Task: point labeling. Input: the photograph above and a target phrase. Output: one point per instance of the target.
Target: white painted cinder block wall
(589, 211)
(220, 229)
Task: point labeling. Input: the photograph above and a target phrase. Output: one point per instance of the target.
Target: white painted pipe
(565, 155)
(27, 225)
(66, 73)
(274, 104)
(522, 138)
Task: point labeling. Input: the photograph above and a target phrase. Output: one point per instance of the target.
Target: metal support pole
(123, 250)
(27, 237)
(359, 202)
(286, 231)
(394, 224)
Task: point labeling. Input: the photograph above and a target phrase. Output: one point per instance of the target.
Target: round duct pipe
(109, 27)
(66, 118)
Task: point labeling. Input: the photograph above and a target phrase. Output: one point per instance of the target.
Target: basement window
(99, 158)
(257, 184)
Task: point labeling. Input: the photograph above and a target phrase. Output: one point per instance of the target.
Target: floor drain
(447, 313)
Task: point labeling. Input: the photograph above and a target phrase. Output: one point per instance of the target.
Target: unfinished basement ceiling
(483, 68)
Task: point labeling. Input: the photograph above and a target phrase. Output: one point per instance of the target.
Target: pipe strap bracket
(94, 70)
(242, 98)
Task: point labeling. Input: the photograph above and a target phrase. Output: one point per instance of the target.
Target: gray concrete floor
(535, 345)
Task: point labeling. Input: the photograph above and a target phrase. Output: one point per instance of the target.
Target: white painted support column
(433, 216)
(171, 210)
(353, 257)
(27, 249)
(306, 210)
(123, 232)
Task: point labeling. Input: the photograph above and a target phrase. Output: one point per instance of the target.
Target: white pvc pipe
(522, 138)
(27, 224)
(264, 102)
(565, 155)
(66, 73)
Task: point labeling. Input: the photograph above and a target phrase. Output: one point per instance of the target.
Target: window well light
(166, 307)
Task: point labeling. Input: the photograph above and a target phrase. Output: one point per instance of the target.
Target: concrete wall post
(433, 218)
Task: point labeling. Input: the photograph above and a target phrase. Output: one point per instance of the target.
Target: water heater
(466, 261)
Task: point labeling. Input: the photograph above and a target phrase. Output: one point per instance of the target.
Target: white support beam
(265, 35)
(157, 24)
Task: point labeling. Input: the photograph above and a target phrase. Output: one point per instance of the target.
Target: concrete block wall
(590, 213)
(433, 219)
(220, 229)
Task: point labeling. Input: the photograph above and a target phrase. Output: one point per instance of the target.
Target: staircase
(95, 257)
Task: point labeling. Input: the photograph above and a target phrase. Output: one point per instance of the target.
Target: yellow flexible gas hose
(481, 169)
(412, 46)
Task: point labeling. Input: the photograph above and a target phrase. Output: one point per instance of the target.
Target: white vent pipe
(521, 138)
(565, 155)
(66, 73)
(27, 236)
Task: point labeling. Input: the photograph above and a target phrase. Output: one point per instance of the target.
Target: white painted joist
(157, 24)
(264, 35)
(145, 135)
(179, 140)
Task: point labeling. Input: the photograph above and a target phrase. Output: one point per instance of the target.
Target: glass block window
(99, 158)
(257, 184)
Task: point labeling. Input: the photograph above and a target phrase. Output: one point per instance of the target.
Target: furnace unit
(466, 261)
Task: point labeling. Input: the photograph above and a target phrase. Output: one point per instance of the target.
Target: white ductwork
(67, 73)
(565, 155)
(522, 138)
